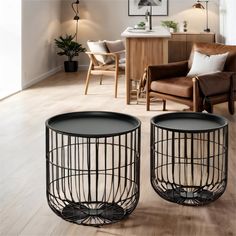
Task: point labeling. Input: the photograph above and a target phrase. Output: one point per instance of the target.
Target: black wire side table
(189, 157)
(93, 166)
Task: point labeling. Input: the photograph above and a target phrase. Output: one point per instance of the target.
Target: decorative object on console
(199, 5)
(140, 7)
(69, 48)
(185, 26)
(171, 25)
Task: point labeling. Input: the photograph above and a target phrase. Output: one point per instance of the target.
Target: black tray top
(93, 123)
(189, 121)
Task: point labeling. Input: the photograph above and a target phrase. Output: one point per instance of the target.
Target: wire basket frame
(92, 181)
(189, 168)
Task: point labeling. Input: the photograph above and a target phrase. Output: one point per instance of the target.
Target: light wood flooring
(23, 205)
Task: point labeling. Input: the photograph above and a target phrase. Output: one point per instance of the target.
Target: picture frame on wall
(139, 7)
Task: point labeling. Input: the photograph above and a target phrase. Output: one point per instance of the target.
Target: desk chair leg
(87, 79)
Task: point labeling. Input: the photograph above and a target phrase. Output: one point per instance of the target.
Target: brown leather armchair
(169, 82)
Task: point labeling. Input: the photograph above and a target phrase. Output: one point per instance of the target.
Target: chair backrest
(214, 48)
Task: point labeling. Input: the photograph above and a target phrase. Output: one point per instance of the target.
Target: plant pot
(71, 66)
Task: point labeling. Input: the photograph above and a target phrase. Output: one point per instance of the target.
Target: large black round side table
(93, 166)
(189, 155)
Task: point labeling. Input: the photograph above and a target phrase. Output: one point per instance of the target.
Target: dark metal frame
(92, 180)
(167, 10)
(189, 167)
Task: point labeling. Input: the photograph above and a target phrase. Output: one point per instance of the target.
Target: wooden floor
(23, 205)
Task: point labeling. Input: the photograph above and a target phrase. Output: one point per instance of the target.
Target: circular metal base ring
(93, 213)
(183, 197)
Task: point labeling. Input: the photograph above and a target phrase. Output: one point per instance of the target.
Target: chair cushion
(116, 46)
(177, 86)
(207, 64)
(99, 46)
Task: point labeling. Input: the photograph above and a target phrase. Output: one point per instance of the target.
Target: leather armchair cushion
(177, 86)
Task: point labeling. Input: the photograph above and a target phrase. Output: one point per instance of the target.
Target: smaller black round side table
(189, 154)
(93, 166)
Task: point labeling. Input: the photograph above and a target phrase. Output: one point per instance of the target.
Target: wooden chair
(111, 69)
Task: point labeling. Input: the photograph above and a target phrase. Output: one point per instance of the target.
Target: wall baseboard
(41, 77)
(8, 94)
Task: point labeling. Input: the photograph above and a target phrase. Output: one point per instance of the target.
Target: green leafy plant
(69, 47)
(170, 24)
(141, 24)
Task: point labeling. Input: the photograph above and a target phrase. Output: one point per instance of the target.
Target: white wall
(106, 19)
(10, 47)
(227, 21)
(41, 23)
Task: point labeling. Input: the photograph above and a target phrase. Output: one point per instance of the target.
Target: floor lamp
(75, 7)
(199, 5)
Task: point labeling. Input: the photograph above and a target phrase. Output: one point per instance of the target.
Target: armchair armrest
(176, 69)
(216, 83)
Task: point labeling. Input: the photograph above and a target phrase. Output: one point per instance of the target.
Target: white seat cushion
(207, 64)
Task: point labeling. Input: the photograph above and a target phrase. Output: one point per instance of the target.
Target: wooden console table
(143, 49)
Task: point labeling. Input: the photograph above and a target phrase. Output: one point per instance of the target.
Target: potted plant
(69, 48)
(170, 24)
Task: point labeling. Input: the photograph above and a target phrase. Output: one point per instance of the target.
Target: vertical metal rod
(167, 155)
(192, 158)
(89, 167)
(69, 167)
(208, 156)
(225, 155)
(47, 163)
(105, 169)
(57, 164)
(97, 167)
(179, 156)
(113, 170)
(77, 160)
(185, 159)
(63, 164)
(173, 154)
(152, 152)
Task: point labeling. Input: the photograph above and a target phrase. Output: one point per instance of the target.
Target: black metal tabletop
(93, 123)
(189, 121)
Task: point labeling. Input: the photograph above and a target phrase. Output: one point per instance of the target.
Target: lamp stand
(207, 17)
(75, 7)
